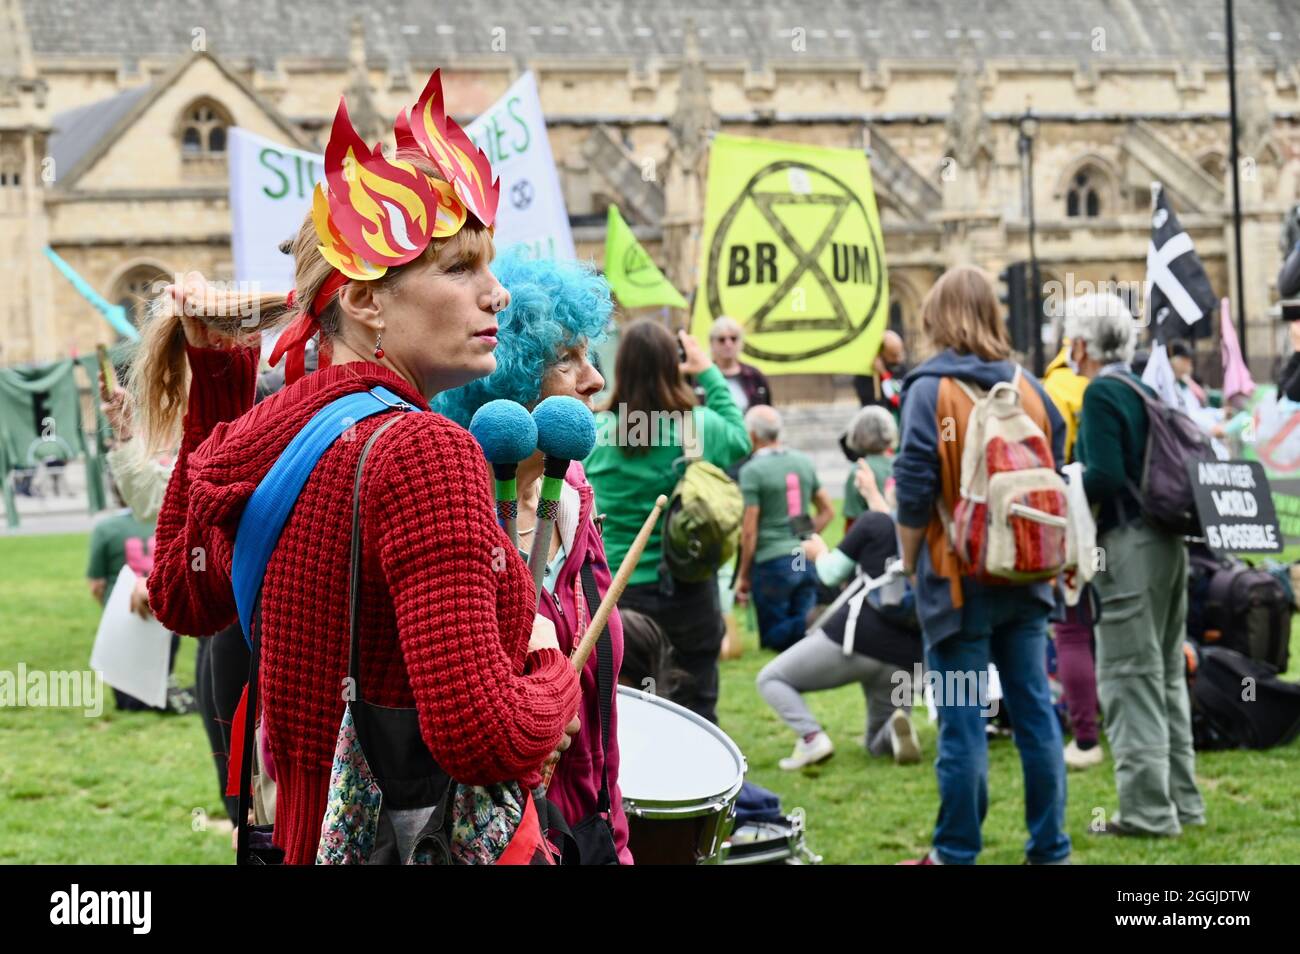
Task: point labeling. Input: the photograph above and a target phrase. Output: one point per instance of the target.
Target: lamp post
(1029, 130)
(1236, 175)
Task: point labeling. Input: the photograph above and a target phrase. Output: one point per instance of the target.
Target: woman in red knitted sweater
(447, 607)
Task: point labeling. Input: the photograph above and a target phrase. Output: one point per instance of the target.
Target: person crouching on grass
(882, 653)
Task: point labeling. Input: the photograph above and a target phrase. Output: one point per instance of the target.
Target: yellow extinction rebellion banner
(792, 250)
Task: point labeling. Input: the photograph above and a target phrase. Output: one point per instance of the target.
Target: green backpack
(701, 527)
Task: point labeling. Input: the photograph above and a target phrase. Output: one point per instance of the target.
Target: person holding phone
(779, 485)
(651, 424)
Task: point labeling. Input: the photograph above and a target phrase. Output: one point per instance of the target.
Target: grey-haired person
(1141, 682)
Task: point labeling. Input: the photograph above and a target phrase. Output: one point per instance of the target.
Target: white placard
(132, 653)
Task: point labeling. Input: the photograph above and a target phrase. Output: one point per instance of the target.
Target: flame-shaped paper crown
(461, 162)
(372, 213)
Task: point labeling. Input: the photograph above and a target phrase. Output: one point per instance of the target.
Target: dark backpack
(1166, 497)
(1239, 607)
(1240, 703)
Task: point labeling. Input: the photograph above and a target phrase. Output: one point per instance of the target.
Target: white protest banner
(512, 134)
(270, 195)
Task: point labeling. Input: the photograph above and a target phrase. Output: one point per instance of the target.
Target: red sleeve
(189, 587)
(464, 610)
(223, 385)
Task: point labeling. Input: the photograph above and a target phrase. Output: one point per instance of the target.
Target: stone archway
(136, 286)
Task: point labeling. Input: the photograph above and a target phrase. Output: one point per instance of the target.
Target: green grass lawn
(137, 787)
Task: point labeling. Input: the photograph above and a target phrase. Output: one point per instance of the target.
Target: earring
(379, 351)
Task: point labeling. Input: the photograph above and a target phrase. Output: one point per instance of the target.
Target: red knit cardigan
(446, 608)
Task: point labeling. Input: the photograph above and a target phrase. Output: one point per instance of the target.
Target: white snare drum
(680, 775)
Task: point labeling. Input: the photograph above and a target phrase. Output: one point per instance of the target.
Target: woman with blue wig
(558, 311)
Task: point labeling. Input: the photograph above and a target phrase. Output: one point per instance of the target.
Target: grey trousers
(817, 662)
(1141, 681)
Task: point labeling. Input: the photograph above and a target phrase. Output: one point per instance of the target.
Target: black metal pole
(1236, 177)
(1036, 294)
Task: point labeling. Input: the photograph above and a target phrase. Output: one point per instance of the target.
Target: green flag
(632, 274)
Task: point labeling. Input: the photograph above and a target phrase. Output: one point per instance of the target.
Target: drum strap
(604, 683)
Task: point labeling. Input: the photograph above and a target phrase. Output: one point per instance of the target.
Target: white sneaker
(809, 753)
(1077, 758)
(902, 738)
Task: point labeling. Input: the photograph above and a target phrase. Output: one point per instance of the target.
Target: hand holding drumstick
(617, 585)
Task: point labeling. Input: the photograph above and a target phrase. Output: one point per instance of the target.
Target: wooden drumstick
(616, 588)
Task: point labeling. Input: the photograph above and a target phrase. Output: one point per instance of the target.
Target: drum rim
(703, 805)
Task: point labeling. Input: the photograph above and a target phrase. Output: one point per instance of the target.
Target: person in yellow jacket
(1065, 387)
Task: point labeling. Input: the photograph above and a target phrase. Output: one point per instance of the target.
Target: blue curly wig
(554, 306)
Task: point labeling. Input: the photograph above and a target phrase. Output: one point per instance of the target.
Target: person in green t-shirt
(869, 442)
(778, 485)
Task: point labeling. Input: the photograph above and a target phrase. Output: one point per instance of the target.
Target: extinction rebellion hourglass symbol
(521, 194)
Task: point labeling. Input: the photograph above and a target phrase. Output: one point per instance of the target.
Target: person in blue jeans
(778, 485)
(966, 624)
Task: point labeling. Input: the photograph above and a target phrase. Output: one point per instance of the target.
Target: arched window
(203, 131)
(1083, 199)
(896, 318)
(904, 316)
(136, 288)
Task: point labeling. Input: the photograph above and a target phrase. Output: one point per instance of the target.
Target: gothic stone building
(113, 117)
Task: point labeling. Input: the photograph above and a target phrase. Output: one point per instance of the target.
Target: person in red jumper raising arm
(401, 296)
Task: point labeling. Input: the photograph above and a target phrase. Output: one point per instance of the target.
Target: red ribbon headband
(292, 343)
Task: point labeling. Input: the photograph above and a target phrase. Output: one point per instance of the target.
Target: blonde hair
(160, 371)
(961, 312)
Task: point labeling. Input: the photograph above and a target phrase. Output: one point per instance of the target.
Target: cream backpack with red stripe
(1010, 522)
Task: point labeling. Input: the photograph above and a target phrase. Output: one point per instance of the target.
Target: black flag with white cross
(1179, 296)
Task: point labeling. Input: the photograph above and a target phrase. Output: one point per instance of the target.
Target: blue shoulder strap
(273, 500)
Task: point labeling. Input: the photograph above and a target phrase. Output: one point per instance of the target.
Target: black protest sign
(1235, 506)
